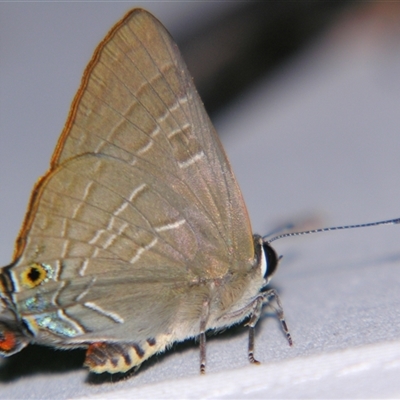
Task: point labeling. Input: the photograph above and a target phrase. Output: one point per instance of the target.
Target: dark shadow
(36, 359)
(230, 53)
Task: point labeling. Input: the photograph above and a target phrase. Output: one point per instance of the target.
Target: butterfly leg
(202, 352)
(251, 346)
(256, 314)
(267, 296)
(202, 337)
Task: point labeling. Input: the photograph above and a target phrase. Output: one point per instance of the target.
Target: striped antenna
(334, 228)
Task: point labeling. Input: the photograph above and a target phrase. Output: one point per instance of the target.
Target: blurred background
(306, 99)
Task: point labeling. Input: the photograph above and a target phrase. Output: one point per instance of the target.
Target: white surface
(343, 373)
(321, 137)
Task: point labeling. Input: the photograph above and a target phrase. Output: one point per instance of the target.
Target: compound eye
(272, 261)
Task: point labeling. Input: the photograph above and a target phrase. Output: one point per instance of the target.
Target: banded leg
(202, 337)
(251, 346)
(272, 293)
(262, 299)
(202, 352)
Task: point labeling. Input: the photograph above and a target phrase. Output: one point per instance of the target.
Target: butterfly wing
(140, 204)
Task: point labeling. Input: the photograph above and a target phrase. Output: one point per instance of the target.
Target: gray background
(317, 137)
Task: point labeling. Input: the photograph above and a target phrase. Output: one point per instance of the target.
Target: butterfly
(138, 236)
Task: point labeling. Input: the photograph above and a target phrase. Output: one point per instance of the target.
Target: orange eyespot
(34, 275)
(7, 341)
